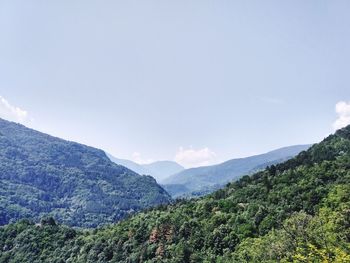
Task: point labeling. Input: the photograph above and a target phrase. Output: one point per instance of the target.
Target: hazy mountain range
(160, 170)
(180, 182)
(206, 179)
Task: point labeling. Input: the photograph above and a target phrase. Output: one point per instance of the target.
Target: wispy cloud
(11, 112)
(342, 108)
(194, 158)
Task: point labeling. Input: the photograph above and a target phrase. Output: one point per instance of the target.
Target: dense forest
(76, 184)
(297, 211)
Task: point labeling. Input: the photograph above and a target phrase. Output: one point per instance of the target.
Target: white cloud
(343, 110)
(195, 158)
(12, 113)
(137, 158)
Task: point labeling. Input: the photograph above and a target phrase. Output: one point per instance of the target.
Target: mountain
(159, 170)
(138, 168)
(296, 211)
(76, 184)
(163, 169)
(206, 179)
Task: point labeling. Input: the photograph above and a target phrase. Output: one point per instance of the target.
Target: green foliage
(297, 211)
(76, 184)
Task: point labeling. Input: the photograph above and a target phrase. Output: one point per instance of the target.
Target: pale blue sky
(149, 77)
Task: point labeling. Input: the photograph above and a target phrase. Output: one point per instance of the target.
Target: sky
(198, 82)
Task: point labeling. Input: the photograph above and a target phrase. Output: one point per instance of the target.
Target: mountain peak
(159, 169)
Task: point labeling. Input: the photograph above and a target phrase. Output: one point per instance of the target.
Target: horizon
(233, 158)
(194, 83)
(145, 164)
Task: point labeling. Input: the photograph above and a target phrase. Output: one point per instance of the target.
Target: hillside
(203, 180)
(159, 170)
(297, 211)
(76, 184)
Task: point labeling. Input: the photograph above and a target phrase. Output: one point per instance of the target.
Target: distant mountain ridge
(206, 179)
(160, 170)
(137, 168)
(76, 184)
(163, 169)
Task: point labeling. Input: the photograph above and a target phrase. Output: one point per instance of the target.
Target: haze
(198, 82)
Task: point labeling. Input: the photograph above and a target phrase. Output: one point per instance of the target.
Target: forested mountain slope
(76, 184)
(297, 211)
